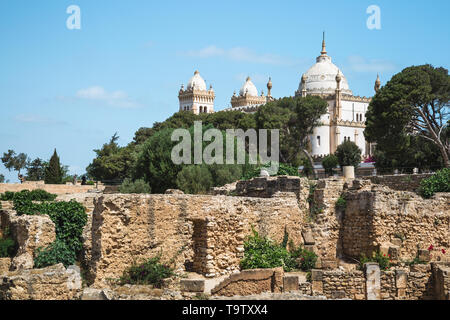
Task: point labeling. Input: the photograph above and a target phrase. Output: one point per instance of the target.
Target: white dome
(197, 82)
(321, 77)
(248, 88)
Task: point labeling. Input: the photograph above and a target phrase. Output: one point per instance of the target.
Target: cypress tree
(53, 172)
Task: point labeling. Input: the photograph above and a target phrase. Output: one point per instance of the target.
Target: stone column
(373, 281)
(401, 278)
(317, 284)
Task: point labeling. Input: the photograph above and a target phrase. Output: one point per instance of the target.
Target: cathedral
(344, 121)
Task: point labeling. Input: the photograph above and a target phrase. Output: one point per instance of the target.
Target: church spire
(324, 49)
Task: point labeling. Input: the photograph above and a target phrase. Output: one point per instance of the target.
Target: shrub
(7, 245)
(341, 203)
(348, 154)
(151, 272)
(329, 163)
(305, 259)
(69, 219)
(137, 186)
(439, 182)
(262, 252)
(25, 195)
(195, 179)
(283, 170)
(382, 260)
(56, 252)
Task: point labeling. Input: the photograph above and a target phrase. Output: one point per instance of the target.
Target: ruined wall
(441, 280)
(51, 188)
(377, 216)
(401, 182)
(128, 227)
(338, 284)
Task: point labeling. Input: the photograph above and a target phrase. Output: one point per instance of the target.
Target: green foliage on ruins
(408, 118)
(137, 186)
(348, 154)
(150, 272)
(7, 244)
(262, 252)
(26, 195)
(69, 219)
(283, 170)
(439, 182)
(54, 171)
(383, 260)
(341, 203)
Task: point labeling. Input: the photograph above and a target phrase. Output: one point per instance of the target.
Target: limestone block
(329, 264)
(424, 255)
(373, 282)
(192, 285)
(290, 283)
(93, 294)
(317, 288)
(316, 275)
(308, 238)
(5, 264)
(394, 252)
(401, 279)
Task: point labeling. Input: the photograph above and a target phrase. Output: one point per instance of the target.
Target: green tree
(330, 162)
(138, 186)
(53, 172)
(2, 178)
(348, 154)
(11, 160)
(415, 102)
(296, 119)
(195, 179)
(36, 170)
(112, 161)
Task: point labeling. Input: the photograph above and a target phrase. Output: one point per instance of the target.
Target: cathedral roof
(321, 77)
(197, 82)
(248, 88)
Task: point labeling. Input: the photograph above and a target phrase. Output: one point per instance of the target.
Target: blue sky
(73, 89)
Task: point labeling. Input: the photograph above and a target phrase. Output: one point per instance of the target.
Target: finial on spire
(324, 50)
(248, 78)
(377, 83)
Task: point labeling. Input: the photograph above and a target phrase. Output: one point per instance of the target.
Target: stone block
(394, 252)
(316, 275)
(338, 294)
(308, 238)
(329, 264)
(401, 279)
(424, 255)
(5, 263)
(192, 285)
(317, 288)
(93, 294)
(373, 281)
(397, 242)
(290, 283)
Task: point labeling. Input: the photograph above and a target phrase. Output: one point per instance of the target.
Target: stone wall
(51, 188)
(402, 222)
(250, 282)
(338, 284)
(441, 280)
(401, 182)
(129, 227)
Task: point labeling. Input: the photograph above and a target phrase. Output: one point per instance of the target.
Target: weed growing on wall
(150, 272)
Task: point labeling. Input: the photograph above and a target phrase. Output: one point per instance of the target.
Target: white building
(196, 98)
(345, 119)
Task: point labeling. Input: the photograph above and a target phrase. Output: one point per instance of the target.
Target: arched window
(205, 109)
(318, 141)
(201, 109)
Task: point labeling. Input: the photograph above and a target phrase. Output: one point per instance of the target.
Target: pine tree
(53, 172)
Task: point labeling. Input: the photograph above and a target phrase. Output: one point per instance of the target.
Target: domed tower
(196, 98)
(269, 89)
(248, 96)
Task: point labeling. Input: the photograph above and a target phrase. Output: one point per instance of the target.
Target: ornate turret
(377, 83)
(196, 98)
(269, 88)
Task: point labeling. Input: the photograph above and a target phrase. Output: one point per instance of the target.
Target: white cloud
(118, 98)
(360, 64)
(241, 54)
(36, 119)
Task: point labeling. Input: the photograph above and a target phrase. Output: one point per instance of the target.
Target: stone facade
(51, 188)
(400, 182)
(130, 227)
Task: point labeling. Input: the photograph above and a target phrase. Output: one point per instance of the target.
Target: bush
(439, 182)
(348, 154)
(341, 203)
(57, 252)
(25, 195)
(261, 252)
(382, 260)
(195, 179)
(137, 186)
(151, 272)
(283, 170)
(7, 245)
(69, 219)
(329, 163)
(305, 259)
